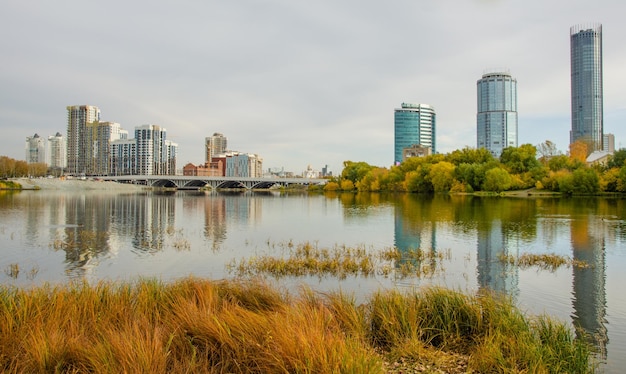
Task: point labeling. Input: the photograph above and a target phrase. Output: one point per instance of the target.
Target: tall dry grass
(194, 325)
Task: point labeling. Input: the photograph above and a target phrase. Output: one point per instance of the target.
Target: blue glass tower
(586, 71)
(496, 121)
(414, 125)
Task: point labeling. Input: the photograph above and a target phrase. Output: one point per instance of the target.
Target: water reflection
(89, 229)
(503, 227)
(589, 295)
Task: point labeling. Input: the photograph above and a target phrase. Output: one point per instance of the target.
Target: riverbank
(197, 325)
(74, 184)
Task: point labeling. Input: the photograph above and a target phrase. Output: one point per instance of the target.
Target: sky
(297, 82)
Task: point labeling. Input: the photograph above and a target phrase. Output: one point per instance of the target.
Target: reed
(195, 325)
(544, 261)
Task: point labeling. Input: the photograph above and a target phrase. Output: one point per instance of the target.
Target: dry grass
(544, 261)
(195, 325)
(306, 259)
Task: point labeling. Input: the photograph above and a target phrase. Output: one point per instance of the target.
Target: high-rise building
(100, 135)
(78, 147)
(586, 81)
(414, 124)
(214, 145)
(155, 154)
(496, 120)
(56, 152)
(35, 149)
(123, 157)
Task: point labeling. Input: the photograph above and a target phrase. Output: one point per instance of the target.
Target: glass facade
(586, 80)
(414, 124)
(496, 121)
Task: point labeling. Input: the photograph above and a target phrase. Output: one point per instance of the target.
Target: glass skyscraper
(586, 71)
(496, 121)
(414, 124)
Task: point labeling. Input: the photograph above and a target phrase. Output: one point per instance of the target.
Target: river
(56, 237)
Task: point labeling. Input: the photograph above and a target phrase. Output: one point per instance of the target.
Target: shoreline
(73, 185)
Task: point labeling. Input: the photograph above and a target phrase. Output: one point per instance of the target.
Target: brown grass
(195, 325)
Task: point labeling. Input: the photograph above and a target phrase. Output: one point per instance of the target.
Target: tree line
(471, 170)
(12, 168)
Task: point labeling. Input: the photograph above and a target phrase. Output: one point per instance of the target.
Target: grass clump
(195, 325)
(308, 259)
(544, 261)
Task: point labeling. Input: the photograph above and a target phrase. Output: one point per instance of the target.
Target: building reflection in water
(86, 232)
(493, 242)
(415, 228)
(589, 294)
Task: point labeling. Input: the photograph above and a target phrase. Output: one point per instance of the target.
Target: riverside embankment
(74, 184)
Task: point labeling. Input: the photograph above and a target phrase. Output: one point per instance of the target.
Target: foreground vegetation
(471, 170)
(195, 325)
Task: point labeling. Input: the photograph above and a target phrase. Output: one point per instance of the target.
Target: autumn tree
(546, 151)
(441, 176)
(578, 151)
(497, 179)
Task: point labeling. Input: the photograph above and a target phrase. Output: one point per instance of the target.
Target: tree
(470, 156)
(355, 171)
(578, 151)
(497, 179)
(618, 159)
(546, 151)
(442, 176)
(520, 159)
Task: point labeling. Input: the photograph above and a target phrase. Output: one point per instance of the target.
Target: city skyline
(300, 84)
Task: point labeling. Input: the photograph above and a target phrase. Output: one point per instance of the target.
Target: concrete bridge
(187, 182)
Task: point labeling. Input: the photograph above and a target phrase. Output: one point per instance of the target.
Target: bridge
(188, 182)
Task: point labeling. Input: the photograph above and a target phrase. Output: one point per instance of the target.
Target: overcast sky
(297, 82)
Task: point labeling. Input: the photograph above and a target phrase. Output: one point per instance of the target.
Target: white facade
(35, 149)
(56, 151)
(123, 157)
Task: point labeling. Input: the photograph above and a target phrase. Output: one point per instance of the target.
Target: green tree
(520, 159)
(355, 171)
(470, 156)
(618, 159)
(497, 179)
(441, 176)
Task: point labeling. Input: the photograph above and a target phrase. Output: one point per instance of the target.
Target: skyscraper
(586, 78)
(78, 116)
(496, 121)
(414, 124)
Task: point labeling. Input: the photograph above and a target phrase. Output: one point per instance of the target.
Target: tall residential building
(214, 145)
(56, 151)
(586, 78)
(414, 124)
(78, 116)
(496, 120)
(100, 135)
(155, 154)
(35, 149)
(123, 157)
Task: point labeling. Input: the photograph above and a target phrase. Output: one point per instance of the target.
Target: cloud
(298, 83)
